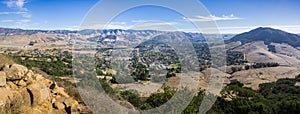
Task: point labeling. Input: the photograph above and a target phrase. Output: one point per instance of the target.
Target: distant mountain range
(10, 31)
(96, 35)
(259, 45)
(268, 35)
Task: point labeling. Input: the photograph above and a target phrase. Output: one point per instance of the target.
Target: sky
(231, 16)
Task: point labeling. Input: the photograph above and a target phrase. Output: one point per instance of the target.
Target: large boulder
(39, 93)
(10, 100)
(2, 78)
(15, 71)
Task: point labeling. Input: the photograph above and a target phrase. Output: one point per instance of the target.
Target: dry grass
(258, 52)
(252, 78)
(5, 60)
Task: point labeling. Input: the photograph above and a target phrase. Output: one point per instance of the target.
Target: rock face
(22, 91)
(39, 93)
(15, 71)
(2, 79)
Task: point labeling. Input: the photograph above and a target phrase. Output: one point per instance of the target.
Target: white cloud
(19, 5)
(16, 4)
(46, 27)
(23, 23)
(22, 13)
(7, 13)
(163, 26)
(7, 21)
(17, 22)
(105, 26)
(212, 18)
(154, 25)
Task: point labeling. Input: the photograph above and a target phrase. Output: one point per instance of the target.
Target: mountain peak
(267, 29)
(268, 35)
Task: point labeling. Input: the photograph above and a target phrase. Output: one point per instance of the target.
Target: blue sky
(231, 16)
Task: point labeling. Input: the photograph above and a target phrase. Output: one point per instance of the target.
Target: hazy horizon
(232, 17)
(146, 30)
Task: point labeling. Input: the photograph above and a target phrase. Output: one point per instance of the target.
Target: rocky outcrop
(22, 91)
(15, 72)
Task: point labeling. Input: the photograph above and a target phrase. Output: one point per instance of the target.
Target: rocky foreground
(22, 91)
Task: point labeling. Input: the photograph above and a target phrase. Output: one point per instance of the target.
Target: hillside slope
(268, 35)
(264, 45)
